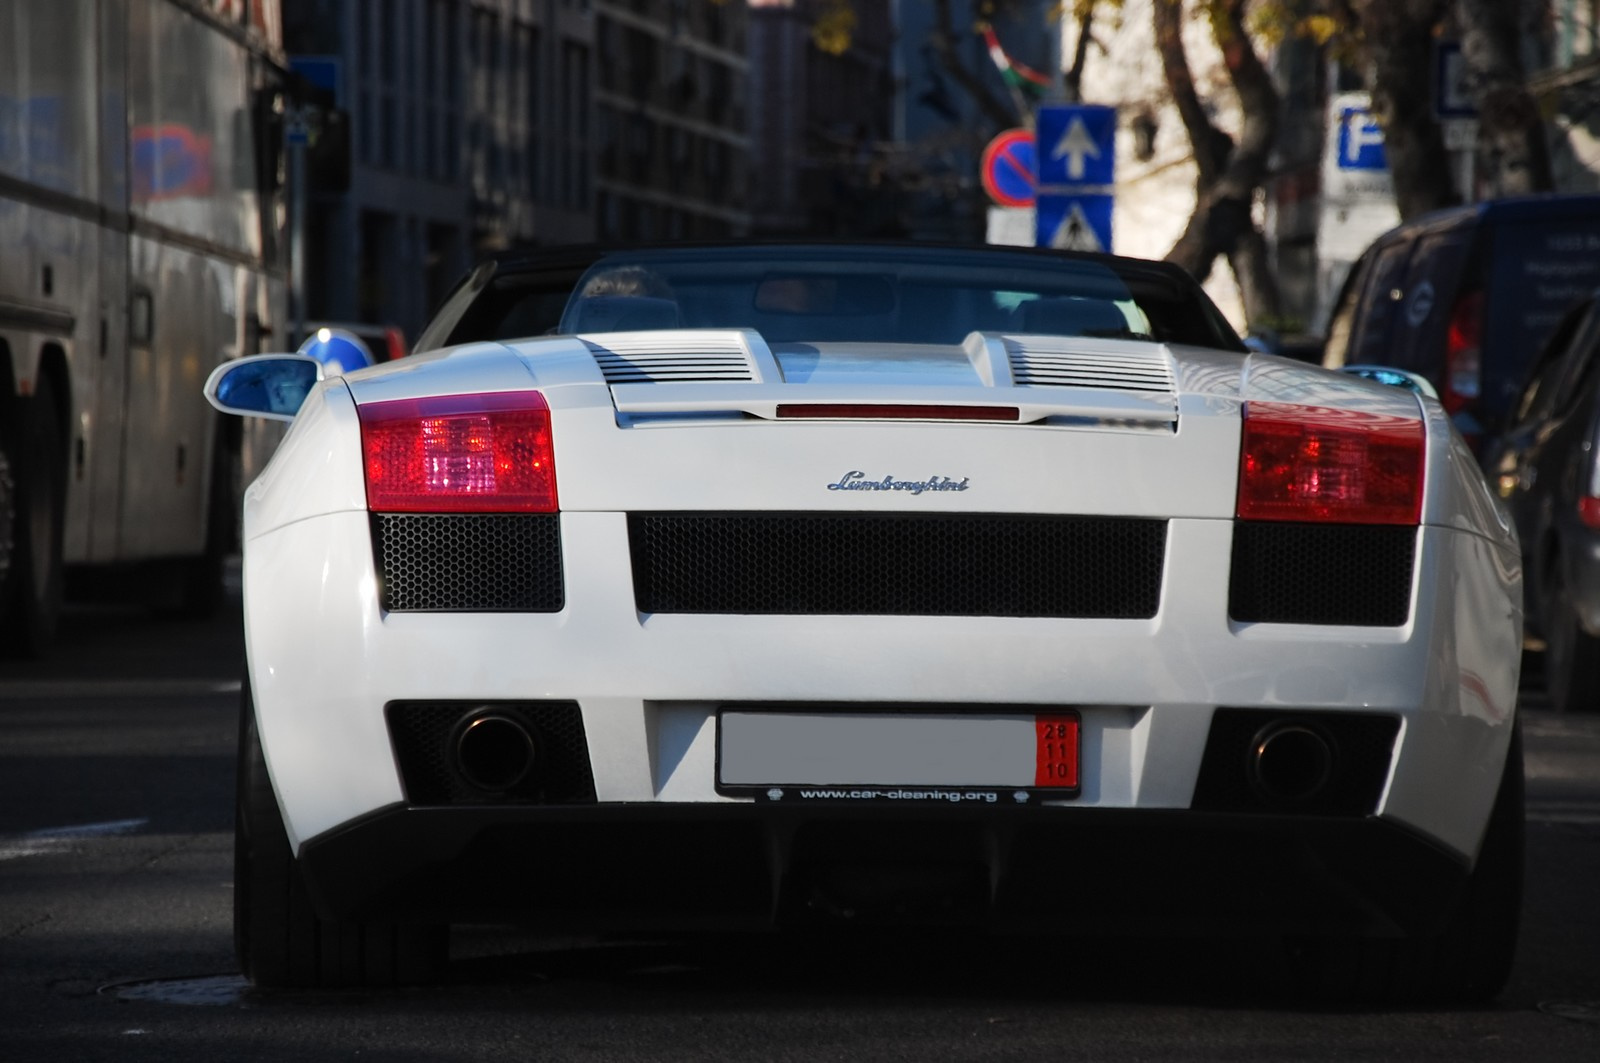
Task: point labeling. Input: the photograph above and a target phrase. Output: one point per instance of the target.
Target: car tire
(279, 940)
(1571, 657)
(1470, 960)
(31, 588)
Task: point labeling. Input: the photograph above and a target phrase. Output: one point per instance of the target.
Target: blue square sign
(1077, 144)
(1073, 223)
(1360, 141)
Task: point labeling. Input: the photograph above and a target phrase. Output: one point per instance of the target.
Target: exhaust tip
(494, 752)
(1290, 763)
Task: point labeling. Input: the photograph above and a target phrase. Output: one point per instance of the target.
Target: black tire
(277, 936)
(1469, 962)
(1571, 657)
(30, 592)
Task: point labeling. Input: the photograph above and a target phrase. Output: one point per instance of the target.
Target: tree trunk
(1398, 37)
(1513, 155)
(1228, 175)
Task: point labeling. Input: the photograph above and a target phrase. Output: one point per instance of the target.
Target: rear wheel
(1571, 657)
(1470, 960)
(279, 939)
(30, 587)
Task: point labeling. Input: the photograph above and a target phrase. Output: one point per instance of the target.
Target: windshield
(888, 295)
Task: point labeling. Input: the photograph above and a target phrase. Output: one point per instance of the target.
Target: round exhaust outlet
(494, 752)
(1290, 763)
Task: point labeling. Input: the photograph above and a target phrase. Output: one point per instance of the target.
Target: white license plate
(897, 756)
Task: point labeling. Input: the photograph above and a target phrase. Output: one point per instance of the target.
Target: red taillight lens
(460, 454)
(1463, 354)
(890, 412)
(1589, 511)
(1310, 463)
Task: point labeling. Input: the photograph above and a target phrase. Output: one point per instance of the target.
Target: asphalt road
(116, 776)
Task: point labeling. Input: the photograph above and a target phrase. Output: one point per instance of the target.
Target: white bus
(141, 242)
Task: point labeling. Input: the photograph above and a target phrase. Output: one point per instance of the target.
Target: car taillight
(1589, 511)
(1463, 354)
(460, 454)
(1311, 463)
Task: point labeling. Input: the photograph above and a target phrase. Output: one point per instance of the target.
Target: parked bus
(142, 241)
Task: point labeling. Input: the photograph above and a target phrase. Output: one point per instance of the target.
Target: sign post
(1077, 170)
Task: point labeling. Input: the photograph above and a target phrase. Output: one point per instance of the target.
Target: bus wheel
(30, 590)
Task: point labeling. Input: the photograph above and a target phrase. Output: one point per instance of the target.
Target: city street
(116, 818)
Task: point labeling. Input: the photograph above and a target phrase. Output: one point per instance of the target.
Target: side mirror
(1388, 374)
(263, 385)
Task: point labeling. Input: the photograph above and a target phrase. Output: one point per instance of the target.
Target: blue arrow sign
(1077, 144)
(1076, 148)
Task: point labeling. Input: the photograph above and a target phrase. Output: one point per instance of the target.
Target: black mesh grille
(1362, 746)
(869, 564)
(469, 562)
(423, 734)
(1322, 573)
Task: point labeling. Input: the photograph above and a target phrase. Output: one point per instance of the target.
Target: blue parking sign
(1360, 141)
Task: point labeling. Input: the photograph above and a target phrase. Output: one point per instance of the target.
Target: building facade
(822, 123)
(672, 139)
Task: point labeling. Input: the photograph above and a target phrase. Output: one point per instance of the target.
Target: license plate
(897, 756)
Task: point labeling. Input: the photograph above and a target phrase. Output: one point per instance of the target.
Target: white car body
(325, 658)
(1118, 428)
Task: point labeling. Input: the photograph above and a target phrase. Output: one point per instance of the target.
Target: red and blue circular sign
(1007, 169)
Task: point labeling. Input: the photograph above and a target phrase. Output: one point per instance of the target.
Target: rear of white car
(681, 628)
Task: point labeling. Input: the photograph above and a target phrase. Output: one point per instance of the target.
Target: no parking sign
(1007, 168)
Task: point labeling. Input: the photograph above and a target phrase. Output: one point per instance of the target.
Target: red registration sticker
(1056, 763)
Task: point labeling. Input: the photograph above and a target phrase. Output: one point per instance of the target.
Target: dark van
(1466, 298)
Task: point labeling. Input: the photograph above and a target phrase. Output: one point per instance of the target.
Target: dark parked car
(1547, 466)
(1466, 298)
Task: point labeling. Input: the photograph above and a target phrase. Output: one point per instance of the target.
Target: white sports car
(780, 585)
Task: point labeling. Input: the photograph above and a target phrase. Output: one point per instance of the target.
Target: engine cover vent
(680, 356)
(1077, 362)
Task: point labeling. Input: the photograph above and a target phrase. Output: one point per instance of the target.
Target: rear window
(1538, 270)
(891, 294)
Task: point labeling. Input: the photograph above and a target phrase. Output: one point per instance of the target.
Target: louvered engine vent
(1041, 361)
(659, 358)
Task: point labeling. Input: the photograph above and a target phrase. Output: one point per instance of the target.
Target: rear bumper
(1075, 871)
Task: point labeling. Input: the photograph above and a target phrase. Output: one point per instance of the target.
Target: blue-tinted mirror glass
(275, 386)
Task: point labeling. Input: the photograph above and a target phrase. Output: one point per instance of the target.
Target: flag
(1017, 75)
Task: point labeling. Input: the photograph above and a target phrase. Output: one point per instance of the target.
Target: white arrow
(1076, 145)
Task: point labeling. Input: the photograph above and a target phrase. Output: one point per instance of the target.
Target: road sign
(1079, 144)
(1007, 168)
(323, 71)
(1360, 140)
(1073, 223)
(1077, 168)
(1451, 98)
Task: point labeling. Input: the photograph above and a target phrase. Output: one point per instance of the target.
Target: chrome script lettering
(856, 480)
